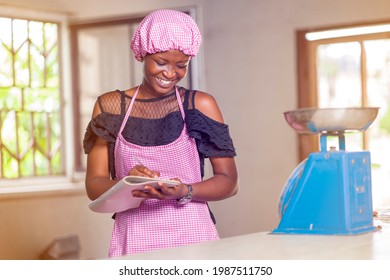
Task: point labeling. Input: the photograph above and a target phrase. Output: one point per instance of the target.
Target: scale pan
(330, 120)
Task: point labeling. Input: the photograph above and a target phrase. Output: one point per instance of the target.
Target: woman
(158, 129)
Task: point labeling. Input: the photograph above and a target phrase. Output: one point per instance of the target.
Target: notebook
(119, 198)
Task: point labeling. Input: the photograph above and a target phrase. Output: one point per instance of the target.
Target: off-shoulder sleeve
(213, 138)
(105, 125)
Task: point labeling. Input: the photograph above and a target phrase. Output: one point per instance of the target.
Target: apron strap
(128, 111)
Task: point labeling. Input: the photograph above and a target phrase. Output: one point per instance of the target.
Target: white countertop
(264, 245)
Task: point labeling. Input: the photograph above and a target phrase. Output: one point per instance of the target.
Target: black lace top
(155, 122)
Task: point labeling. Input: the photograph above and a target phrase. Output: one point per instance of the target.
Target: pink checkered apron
(157, 224)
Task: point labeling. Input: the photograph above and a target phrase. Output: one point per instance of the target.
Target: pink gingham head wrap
(165, 30)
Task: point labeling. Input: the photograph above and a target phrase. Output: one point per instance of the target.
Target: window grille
(30, 124)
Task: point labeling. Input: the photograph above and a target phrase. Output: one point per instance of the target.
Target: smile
(165, 82)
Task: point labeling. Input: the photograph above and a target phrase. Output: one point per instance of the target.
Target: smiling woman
(161, 130)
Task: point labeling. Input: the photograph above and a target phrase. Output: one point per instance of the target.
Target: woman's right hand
(143, 171)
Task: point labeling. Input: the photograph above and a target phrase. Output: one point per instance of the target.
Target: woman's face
(162, 71)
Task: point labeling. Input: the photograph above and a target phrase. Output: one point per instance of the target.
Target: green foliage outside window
(30, 124)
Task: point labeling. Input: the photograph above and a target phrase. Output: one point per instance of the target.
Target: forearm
(97, 179)
(222, 185)
(97, 186)
(216, 188)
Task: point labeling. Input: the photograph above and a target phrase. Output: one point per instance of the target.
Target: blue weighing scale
(330, 191)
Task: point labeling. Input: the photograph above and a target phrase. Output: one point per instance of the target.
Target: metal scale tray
(330, 120)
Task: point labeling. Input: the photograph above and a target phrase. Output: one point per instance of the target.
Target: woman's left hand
(163, 192)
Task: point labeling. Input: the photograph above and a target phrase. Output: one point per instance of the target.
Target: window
(350, 67)
(30, 130)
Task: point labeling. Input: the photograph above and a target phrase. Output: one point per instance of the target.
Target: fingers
(163, 192)
(140, 170)
(149, 192)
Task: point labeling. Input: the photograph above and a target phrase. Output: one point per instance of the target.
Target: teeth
(164, 81)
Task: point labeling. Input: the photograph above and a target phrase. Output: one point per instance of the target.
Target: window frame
(70, 179)
(74, 28)
(306, 73)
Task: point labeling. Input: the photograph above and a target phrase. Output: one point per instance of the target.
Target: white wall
(250, 67)
(29, 223)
